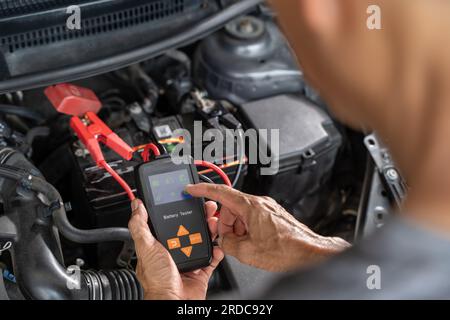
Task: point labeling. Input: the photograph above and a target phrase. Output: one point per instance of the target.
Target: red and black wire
(156, 152)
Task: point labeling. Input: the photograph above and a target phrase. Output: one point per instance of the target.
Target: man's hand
(259, 232)
(156, 269)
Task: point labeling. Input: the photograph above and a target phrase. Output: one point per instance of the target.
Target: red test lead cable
(146, 152)
(152, 147)
(118, 178)
(216, 169)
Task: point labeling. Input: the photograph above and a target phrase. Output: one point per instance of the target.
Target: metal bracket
(394, 183)
(383, 189)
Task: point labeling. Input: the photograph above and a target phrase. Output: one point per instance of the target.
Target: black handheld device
(176, 219)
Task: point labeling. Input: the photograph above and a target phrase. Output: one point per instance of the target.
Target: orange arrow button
(195, 238)
(173, 243)
(187, 251)
(182, 231)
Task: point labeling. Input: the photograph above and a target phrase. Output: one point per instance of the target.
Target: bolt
(79, 153)
(392, 174)
(246, 26)
(79, 262)
(68, 206)
(136, 109)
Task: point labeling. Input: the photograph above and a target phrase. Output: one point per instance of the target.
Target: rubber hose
(61, 221)
(66, 228)
(21, 111)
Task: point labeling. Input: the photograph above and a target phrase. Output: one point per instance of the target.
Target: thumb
(236, 246)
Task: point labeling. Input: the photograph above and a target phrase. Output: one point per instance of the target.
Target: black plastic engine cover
(308, 147)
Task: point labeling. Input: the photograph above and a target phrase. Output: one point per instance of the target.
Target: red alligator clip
(96, 130)
(82, 102)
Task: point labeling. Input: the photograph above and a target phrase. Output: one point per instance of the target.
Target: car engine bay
(63, 216)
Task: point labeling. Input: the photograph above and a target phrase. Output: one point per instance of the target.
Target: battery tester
(177, 219)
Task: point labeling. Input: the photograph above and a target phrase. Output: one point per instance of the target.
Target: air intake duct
(30, 205)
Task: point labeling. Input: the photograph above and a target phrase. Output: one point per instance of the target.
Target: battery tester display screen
(169, 187)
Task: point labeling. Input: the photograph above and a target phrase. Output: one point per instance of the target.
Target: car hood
(43, 42)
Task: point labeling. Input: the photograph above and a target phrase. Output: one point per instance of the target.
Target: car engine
(63, 219)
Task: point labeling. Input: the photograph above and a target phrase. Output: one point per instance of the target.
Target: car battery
(98, 201)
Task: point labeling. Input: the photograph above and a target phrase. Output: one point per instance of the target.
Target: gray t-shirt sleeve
(409, 261)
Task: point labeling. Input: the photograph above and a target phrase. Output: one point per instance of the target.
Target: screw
(392, 174)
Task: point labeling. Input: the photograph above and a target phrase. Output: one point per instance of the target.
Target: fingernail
(187, 187)
(134, 205)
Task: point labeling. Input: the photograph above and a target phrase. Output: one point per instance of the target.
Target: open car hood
(37, 48)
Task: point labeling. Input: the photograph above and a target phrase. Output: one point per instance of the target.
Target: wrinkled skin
(395, 81)
(259, 232)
